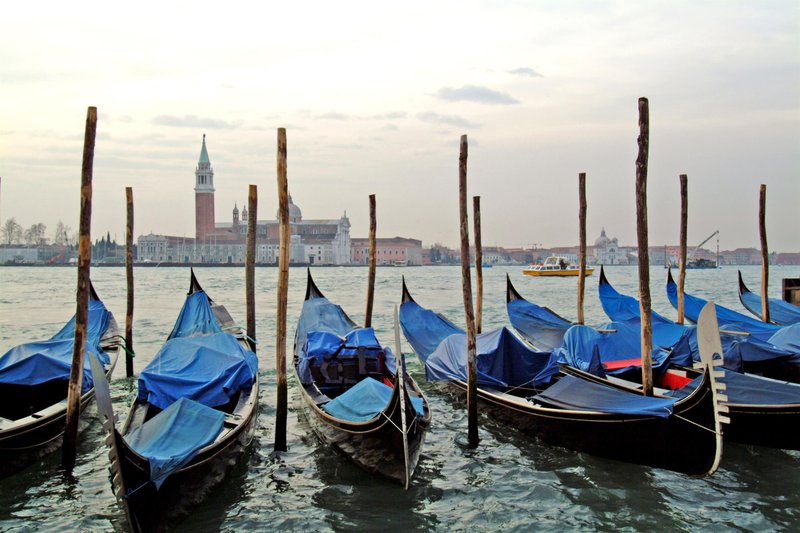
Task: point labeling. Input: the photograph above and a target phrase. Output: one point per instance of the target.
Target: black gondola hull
(149, 508)
(646, 440)
(376, 446)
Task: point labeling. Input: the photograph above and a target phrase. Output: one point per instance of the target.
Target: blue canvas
(173, 437)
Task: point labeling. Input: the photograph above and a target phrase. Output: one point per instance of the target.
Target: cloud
(525, 72)
(474, 93)
(392, 115)
(333, 115)
(447, 120)
(193, 121)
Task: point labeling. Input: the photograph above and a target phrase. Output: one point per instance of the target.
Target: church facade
(319, 242)
(607, 251)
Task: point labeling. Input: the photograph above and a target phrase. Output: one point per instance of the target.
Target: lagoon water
(510, 482)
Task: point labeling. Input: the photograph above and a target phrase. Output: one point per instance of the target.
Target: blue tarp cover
(170, 439)
(578, 394)
(787, 338)
(322, 344)
(195, 318)
(780, 312)
(539, 325)
(365, 400)
(198, 361)
(580, 342)
(749, 389)
(503, 360)
(727, 318)
(38, 362)
(424, 329)
(319, 314)
(209, 369)
(682, 340)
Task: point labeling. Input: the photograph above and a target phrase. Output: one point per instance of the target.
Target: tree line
(12, 232)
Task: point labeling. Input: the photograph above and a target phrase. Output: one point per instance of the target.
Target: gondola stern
(194, 285)
(406, 297)
(742, 287)
(511, 292)
(93, 297)
(603, 279)
(312, 291)
(670, 279)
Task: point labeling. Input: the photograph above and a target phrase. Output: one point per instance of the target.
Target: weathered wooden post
(466, 288)
(582, 243)
(644, 255)
(250, 264)
(476, 224)
(69, 449)
(283, 291)
(762, 229)
(129, 278)
(683, 238)
(372, 261)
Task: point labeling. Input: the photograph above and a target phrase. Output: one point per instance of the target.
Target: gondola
(763, 411)
(780, 312)
(355, 393)
(34, 378)
(193, 415)
(777, 348)
(525, 389)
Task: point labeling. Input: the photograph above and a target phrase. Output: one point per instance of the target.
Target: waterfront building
(398, 251)
(318, 242)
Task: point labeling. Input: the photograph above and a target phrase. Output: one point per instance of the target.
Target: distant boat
(556, 265)
(701, 263)
(403, 263)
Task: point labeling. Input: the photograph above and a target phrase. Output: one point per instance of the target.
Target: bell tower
(203, 195)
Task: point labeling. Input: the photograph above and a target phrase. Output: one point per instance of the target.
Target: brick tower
(203, 196)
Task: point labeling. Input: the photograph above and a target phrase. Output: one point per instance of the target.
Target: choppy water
(510, 482)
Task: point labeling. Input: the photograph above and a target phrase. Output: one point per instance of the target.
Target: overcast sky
(375, 96)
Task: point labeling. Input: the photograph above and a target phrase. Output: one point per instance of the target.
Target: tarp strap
(131, 492)
(696, 424)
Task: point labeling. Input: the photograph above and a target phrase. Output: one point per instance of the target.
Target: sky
(375, 97)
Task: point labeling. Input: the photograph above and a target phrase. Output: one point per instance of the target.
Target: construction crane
(691, 255)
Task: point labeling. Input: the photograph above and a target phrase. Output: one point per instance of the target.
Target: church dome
(602, 241)
(295, 215)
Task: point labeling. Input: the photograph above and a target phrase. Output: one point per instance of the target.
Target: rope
(696, 424)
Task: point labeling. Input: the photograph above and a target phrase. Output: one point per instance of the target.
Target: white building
(607, 251)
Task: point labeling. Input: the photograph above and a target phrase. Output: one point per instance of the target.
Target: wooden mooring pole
(129, 279)
(762, 230)
(373, 225)
(582, 242)
(69, 447)
(250, 264)
(684, 233)
(644, 255)
(283, 292)
(466, 288)
(476, 224)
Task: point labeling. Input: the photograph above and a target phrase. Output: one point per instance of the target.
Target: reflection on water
(509, 482)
